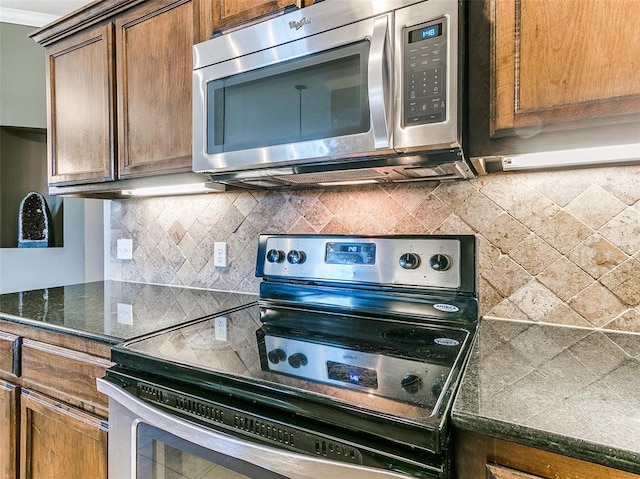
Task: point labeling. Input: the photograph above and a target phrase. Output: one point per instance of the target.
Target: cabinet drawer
(64, 374)
(9, 355)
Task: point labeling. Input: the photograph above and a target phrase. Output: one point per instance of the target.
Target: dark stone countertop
(568, 390)
(112, 311)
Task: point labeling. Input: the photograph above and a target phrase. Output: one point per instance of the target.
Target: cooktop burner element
(359, 334)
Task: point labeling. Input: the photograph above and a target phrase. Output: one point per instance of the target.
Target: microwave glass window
(162, 455)
(311, 98)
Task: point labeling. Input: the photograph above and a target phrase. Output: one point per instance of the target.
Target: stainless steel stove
(346, 366)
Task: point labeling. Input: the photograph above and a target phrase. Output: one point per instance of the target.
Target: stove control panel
(422, 261)
(392, 377)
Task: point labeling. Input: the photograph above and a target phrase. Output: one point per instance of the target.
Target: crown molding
(24, 17)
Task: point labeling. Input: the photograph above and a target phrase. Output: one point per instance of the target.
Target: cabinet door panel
(154, 67)
(60, 441)
(64, 374)
(564, 63)
(80, 94)
(9, 357)
(229, 12)
(8, 430)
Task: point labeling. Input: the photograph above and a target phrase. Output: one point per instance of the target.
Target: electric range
(352, 355)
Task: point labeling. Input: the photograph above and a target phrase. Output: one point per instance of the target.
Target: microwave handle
(378, 76)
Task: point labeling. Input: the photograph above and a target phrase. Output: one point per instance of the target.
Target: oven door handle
(289, 464)
(379, 69)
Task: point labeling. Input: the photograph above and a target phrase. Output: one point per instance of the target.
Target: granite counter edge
(565, 445)
(109, 340)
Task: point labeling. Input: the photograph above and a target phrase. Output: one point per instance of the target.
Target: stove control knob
(440, 262)
(298, 359)
(436, 387)
(409, 261)
(276, 355)
(411, 383)
(296, 256)
(275, 256)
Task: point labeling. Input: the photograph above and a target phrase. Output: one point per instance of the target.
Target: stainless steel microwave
(343, 91)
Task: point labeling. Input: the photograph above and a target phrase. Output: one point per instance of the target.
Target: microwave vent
(331, 176)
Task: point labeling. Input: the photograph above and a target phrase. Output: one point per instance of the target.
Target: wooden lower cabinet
(9, 415)
(482, 457)
(60, 441)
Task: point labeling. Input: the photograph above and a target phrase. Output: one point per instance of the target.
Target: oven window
(318, 96)
(162, 455)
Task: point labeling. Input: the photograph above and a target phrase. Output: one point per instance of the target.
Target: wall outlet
(125, 249)
(125, 313)
(220, 328)
(220, 254)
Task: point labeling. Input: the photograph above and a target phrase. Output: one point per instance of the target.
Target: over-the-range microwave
(343, 91)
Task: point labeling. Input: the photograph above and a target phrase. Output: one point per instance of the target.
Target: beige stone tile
(563, 232)
(624, 230)
(563, 314)
(534, 254)
(245, 202)
(597, 305)
(535, 300)
(565, 279)
(627, 321)
(562, 187)
(621, 182)
(335, 227)
(352, 215)
(595, 206)
(455, 194)
(505, 232)
(506, 276)
(410, 225)
(597, 256)
(333, 199)
(409, 196)
(302, 226)
(624, 282)
(478, 211)
(176, 232)
(533, 209)
(504, 189)
(389, 213)
(454, 225)
(432, 212)
(507, 310)
(490, 296)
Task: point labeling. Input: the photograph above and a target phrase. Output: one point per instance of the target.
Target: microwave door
(286, 106)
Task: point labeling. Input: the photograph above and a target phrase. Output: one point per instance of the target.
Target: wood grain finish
(7, 345)
(478, 456)
(80, 95)
(59, 441)
(154, 68)
(225, 13)
(64, 374)
(8, 430)
(563, 63)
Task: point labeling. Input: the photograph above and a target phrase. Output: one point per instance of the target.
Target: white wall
(81, 259)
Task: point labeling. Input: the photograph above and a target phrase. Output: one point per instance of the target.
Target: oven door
(322, 96)
(146, 442)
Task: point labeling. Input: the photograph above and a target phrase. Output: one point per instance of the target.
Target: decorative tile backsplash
(559, 247)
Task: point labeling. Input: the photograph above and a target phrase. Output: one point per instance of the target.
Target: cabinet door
(81, 116)
(59, 441)
(8, 430)
(224, 13)
(560, 64)
(154, 68)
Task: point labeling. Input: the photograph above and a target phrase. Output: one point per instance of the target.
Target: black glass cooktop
(401, 369)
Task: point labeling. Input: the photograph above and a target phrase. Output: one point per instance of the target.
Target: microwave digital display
(425, 33)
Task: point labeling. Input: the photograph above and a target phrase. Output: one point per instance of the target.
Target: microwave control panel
(425, 73)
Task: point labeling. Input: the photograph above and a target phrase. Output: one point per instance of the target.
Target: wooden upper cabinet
(81, 117)
(154, 68)
(563, 64)
(224, 13)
